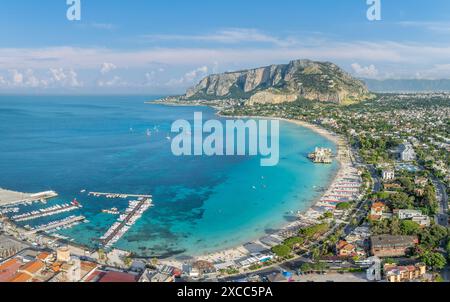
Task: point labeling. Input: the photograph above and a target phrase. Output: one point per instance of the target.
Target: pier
(118, 195)
(58, 209)
(57, 224)
(124, 223)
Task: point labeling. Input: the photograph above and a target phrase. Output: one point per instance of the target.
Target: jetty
(64, 223)
(119, 195)
(126, 221)
(55, 210)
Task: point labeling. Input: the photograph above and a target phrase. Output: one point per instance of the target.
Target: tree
(401, 200)
(395, 226)
(306, 267)
(434, 260)
(128, 261)
(409, 227)
(293, 242)
(281, 250)
(343, 206)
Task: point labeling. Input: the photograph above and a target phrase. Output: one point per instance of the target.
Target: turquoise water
(202, 204)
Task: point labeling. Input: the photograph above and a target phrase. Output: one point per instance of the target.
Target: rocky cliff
(321, 81)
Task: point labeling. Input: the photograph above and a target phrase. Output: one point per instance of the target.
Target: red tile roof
(110, 277)
(8, 269)
(33, 267)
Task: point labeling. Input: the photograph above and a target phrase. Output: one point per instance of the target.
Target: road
(441, 193)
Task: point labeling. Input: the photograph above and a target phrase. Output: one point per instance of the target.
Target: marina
(54, 210)
(134, 211)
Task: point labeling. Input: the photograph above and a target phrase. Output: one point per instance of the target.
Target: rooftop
(389, 240)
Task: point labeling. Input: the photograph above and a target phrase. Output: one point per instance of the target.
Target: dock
(55, 210)
(125, 222)
(119, 195)
(57, 224)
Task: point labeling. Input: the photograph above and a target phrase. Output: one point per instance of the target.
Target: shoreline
(240, 251)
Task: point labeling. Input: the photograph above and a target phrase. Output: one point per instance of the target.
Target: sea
(121, 144)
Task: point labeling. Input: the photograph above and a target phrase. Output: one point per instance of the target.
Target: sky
(164, 47)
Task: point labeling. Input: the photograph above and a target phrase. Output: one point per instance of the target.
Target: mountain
(408, 85)
(321, 81)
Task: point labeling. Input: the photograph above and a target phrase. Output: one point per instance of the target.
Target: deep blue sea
(201, 204)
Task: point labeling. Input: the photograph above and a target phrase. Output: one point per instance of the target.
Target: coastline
(307, 216)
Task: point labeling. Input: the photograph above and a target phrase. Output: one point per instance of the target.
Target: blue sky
(166, 46)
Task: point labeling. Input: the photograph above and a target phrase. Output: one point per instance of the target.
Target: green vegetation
(282, 250)
(294, 242)
(344, 206)
(314, 231)
(313, 267)
(434, 260)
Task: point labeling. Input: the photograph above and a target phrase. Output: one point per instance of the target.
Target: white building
(416, 216)
(422, 220)
(408, 214)
(407, 152)
(388, 175)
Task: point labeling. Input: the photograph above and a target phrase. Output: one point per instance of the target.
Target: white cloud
(17, 77)
(107, 67)
(115, 81)
(365, 71)
(196, 73)
(189, 78)
(65, 78)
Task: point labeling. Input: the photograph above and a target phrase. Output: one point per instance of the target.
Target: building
(388, 175)
(9, 268)
(420, 181)
(104, 276)
(408, 214)
(322, 156)
(28, 272)
(377, 211)
(396, 273)
(416, 216)
(407, 152)
(71, 271)
(63, 254)
(422, 220)
(392, 246)
(345, 249)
